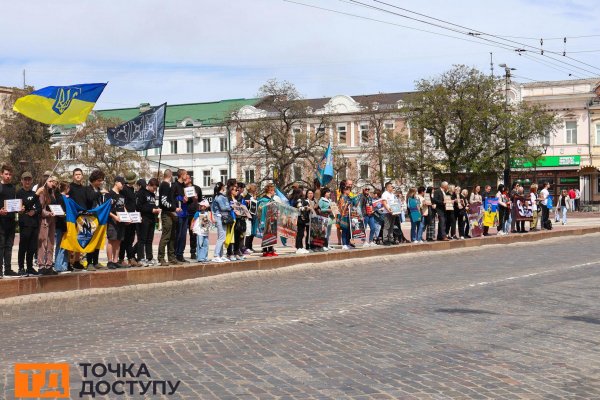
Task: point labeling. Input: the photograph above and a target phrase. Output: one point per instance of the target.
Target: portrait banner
(287, 221)
(357, 224)
(475, 214)
(318, 230)
(269, 229)
(522, 208)
(490, 213)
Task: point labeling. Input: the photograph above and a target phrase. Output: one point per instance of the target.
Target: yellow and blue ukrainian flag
(86, 229)
(60, 105)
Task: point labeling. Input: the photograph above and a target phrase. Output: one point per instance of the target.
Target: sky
(189, 51)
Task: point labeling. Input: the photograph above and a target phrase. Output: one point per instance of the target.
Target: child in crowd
(201, 225)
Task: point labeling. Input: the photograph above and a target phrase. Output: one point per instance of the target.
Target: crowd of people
(179, 208)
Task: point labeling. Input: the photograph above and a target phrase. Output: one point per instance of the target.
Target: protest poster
(287, 221)
(13, 205)
(490, 213)
(56, 209)
(357, 224)
(522, 209)
(241, 210)
(136, 217)
(269, 228)
(335, 210)
(448, 205)
(252, 207)
(123, 216)
(395, 206)
(427, 199)
(318, 230)
(189, 191)
(475, 215)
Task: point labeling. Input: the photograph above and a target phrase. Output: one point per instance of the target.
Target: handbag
(227, 219)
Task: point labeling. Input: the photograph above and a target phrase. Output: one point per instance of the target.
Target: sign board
(547, 161)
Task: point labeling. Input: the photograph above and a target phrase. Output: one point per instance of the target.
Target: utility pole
(492, 63)
(506, 176)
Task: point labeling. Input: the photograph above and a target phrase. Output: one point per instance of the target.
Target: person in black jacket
(168, 219)
(7, 221)
(192, 207)
(94, 197)
(129, 236)
(146, 205)
(28, 225)
(61, 256)
(440, 209)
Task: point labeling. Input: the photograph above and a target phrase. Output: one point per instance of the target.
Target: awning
(588, 170)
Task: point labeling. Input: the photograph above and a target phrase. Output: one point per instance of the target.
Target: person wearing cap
(116, 229)
(28, 225)
(146, 204)
(129, 236)
(201, 224)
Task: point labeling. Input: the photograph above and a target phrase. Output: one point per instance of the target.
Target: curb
(106, 279)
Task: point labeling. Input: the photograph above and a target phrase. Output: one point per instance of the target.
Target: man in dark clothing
(487, 193)
(168, 219)
(182, 218)
(28, 224)
(146, 204)
(438, 200)
(7, 221)
(129, 237)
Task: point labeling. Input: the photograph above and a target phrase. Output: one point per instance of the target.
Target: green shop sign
(546, 161)
(569, 180)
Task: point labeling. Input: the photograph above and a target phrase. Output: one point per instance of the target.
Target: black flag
(145, 131)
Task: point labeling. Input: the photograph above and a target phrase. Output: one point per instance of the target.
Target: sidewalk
(12, 287)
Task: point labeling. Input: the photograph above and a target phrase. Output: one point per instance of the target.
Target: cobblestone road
(501, 322)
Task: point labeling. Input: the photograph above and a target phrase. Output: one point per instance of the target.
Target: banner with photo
(522, 209)
(268, 229)
(357, 224)
(318, 230)
(287, 221)
(490, 213)
(475, 214)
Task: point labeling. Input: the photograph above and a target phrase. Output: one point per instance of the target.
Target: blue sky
(192, 51)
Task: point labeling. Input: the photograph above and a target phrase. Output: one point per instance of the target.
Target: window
(223, 144)
(246, 139)
(598, 135)
(59, 154)
(173, 146)
(206, 179)
(546, 139)
(364, 133)
(295, 133)
(249, 175)
(72, 153)
(189, 145)
(342, 173)
(571, 128)
(224, 177)
(297, 173)
(389, 126)
(206, 145)
(364, 171)
(341, 131)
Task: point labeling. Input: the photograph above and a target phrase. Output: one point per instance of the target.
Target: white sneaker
(366, 244)
(462, 238)
(217, 260)
(344, 247)
(299, 251)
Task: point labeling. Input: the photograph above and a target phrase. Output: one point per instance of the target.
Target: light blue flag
(325, 170)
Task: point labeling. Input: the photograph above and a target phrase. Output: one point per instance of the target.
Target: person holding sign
(116, 229)
(47, 233)
(7, 221)
(28, 225)
(146, 204)
(127, 248)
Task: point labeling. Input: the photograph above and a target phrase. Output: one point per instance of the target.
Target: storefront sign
(569, 180)
(547, 161)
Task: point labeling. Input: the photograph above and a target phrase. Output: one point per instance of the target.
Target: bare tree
(277, 139)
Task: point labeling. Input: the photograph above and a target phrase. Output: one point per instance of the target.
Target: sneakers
(111, 265)
(265, 254)
(302, 251)
(163, 263)
(182, 260)
(32, 271)
(10, 273)
(225, 259)
(248, 252)
(240, 258)
(91, 267)
(344, 247)
(77, 266)
(366, 244)
(217, 260)
(143, 263)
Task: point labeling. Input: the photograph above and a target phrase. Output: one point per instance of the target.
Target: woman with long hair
(533, 198)
(463, 217)
(430, 233)
(265, 225)
(503, 209)
(414, 212)
(325, 211)
(221, 210)
(47, 233)
(298, 201)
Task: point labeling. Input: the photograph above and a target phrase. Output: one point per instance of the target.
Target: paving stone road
(518, 321)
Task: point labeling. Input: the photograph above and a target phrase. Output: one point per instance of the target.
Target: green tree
(465, 114)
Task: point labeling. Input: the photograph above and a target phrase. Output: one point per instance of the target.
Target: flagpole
(161, 146)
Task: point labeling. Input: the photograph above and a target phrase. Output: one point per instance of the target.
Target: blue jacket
(220, 205)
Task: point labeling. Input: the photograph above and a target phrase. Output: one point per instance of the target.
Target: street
(517, 321)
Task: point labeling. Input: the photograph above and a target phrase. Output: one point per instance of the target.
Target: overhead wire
(471, 32)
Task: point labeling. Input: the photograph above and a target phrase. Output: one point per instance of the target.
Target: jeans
(388, 227)
(545, 214)
(221, 232)
(181, 235)
(374, 227)
(346, 236)
(61, 256)
(414, 231)
(563, 211)
(328, 234)
(202, 248)
(422, 225)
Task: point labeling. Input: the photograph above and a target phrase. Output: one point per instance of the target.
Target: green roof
(207, 114)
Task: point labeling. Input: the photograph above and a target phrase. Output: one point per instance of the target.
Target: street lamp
(507, 70)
